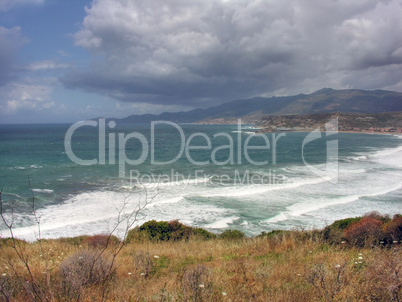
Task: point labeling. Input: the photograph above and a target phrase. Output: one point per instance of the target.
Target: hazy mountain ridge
(252, 110)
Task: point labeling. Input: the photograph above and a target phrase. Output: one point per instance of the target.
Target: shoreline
(209, 233)
(339, 131)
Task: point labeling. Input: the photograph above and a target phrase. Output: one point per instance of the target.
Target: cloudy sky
(64, 61)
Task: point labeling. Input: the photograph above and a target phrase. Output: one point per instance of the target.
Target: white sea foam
(387, 152)
(250, 190)
(35, 166)
(13, 194)
(305, 207)
(222, 223)
(78, 214)
(244, 132)
(391, 157)
(48, 191)
(97, 212)
(153, 182)
(351, 171)
(357, 184)
(359, 157)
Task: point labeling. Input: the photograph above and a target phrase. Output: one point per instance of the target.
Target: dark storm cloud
(200, 52)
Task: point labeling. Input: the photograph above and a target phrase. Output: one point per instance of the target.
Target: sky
(64, 61)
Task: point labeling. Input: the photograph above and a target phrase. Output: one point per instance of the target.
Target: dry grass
(288, 267)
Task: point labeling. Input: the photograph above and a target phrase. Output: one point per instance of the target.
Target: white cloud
(199, 52)
(6, 5)
(47, 65)
(26, 97)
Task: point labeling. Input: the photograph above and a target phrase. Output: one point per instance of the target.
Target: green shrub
(232, 234)
(344, 223)
(203, 234)
(334, 233)
(179, 231)
(272, 233)
(166, 231)
(156, 230)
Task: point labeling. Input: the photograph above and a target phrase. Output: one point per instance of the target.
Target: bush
(342, 224)
(85, 268)
(232, 234)
(378, 216)
(367, 231)
(156, 230)
(197, 284)
(165, 231)
(101, 241)
(334, 233)
(134, 235)
(179, 231)
(203, 234)
(272, 233)
(393, 229)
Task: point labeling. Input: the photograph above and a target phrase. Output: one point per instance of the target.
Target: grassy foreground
(278, 266)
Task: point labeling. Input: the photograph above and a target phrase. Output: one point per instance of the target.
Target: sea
(99, 176)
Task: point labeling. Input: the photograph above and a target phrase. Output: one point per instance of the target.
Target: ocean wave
(250, 190)
(391, 157)
(222, 223)
(48, 191)
(35, 166)
(97, 212)
(306, 207)
(351, 171)
(387, 152)
(244, 132)
(303, 208)
(359, 157)
(169, 181)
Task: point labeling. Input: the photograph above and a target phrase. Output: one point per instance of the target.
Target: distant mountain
(251, 110)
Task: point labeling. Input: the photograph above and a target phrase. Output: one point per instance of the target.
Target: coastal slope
(359, 122)
(252, 110)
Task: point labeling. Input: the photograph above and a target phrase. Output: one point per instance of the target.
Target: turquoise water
(217, 186)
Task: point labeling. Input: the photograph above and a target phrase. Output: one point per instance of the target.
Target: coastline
(339, 131)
